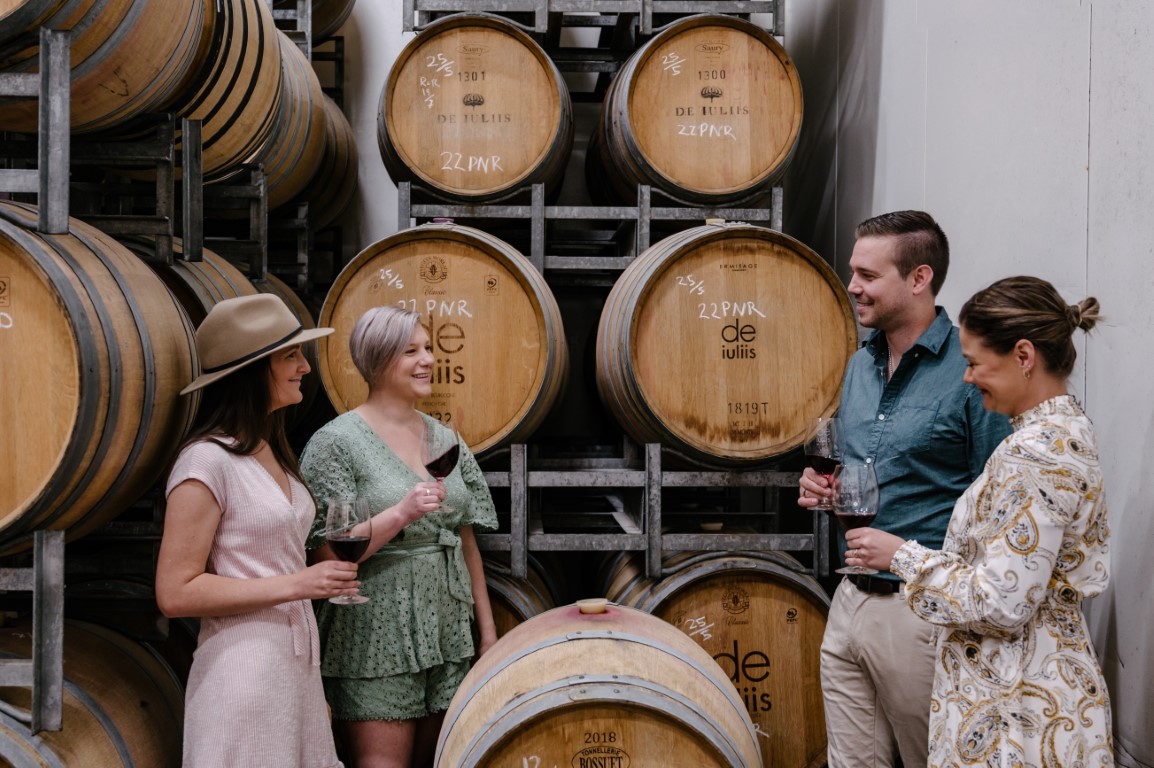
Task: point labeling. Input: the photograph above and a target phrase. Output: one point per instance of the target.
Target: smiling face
(286, 368)
(410, 376)
(998, 377)
(883, 298)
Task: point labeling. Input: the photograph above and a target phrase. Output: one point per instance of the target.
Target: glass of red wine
(823, 454)
(348, 529)
(855, 502)
(444, 448)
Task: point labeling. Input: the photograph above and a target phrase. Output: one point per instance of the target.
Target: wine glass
(823, 453)
(855, 502)
(443, 450)
(348, 529)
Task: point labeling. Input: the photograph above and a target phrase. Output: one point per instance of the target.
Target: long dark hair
(237, 406)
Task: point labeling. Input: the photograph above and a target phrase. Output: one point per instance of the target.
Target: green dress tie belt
(447, 542)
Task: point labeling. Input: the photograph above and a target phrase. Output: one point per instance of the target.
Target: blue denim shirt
(925, 430)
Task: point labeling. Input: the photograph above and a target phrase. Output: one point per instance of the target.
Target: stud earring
(1026, 373)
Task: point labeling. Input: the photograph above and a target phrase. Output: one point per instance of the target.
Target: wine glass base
(349, 599)
(856, 570)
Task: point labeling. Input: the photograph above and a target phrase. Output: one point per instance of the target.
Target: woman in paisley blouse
(1017, 681)
(391, 666)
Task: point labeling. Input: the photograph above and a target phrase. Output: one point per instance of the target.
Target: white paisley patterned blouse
(1017, 682)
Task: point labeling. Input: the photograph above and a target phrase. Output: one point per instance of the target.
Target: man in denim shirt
(906, 410)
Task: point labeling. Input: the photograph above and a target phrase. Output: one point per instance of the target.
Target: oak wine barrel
(475, 110)
(292, 153)
(724, 342)
(334, 184)
(516, 600)
(708, 112)
(95, 351)
(495, 327)
(127, 56)
(761, 620)
(327, 16)
(617, 688)
(123, 706)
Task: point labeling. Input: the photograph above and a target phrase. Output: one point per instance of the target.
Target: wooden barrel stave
(761, 619)
(708, 112)
(334, 185)
(430, 131)
(89, 317)
(501, 356)
(723, 342)
(127, 57)
(123, 706)
(647, 692)
(515, 601)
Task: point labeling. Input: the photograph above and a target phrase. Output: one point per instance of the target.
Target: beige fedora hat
(238, 331)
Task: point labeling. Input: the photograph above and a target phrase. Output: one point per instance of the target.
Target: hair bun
(1074, 315)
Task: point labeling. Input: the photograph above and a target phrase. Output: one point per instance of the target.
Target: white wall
(1027, 128)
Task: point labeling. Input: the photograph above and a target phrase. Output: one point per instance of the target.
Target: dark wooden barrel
(292, 153)
(501, 357)
(761, 620)
(123, 706)
(724, 342)
(197, 285)
(618, 688)
(517, 600)
(95, 351)
(328, 16)
(708, 112)
(128, 56)
(475, 110)
(334, 185)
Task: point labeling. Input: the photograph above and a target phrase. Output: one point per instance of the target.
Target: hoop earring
(1026, 374)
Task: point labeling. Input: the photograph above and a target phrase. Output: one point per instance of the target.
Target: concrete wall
(1027, 128)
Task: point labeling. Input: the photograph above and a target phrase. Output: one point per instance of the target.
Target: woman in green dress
(391, 665)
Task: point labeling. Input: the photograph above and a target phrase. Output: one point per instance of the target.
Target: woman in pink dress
(233, 555)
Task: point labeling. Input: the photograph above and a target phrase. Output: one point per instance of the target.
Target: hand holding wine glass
(855, 502)
(348, 530)
(823, 453)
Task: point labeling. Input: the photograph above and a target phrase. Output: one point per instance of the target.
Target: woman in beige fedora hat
(392, 665)
(233, 554)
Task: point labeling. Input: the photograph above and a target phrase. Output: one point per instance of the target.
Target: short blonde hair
(379, 337)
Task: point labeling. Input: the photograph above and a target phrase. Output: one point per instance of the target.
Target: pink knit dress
(254, 693)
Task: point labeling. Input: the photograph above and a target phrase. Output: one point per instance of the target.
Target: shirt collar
(932, 338)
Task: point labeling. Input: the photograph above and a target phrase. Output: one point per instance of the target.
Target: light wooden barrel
(292, 153)
(708, 112)
(724, 342)
(328, 16)
(334, 185)
(761, 620)
(122, 704)
(95, 351)
(514, 600)
(127, 56)
(619, 688)
(237, 90)
(475, 110)
(495, 327)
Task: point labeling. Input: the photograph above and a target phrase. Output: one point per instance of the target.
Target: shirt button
(869, 460)
(881, 417)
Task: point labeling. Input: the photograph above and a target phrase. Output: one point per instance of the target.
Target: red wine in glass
(851, 520)
(348, 548)
(442, 466)
(823, 453)
(855, 502)
(348, 530)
